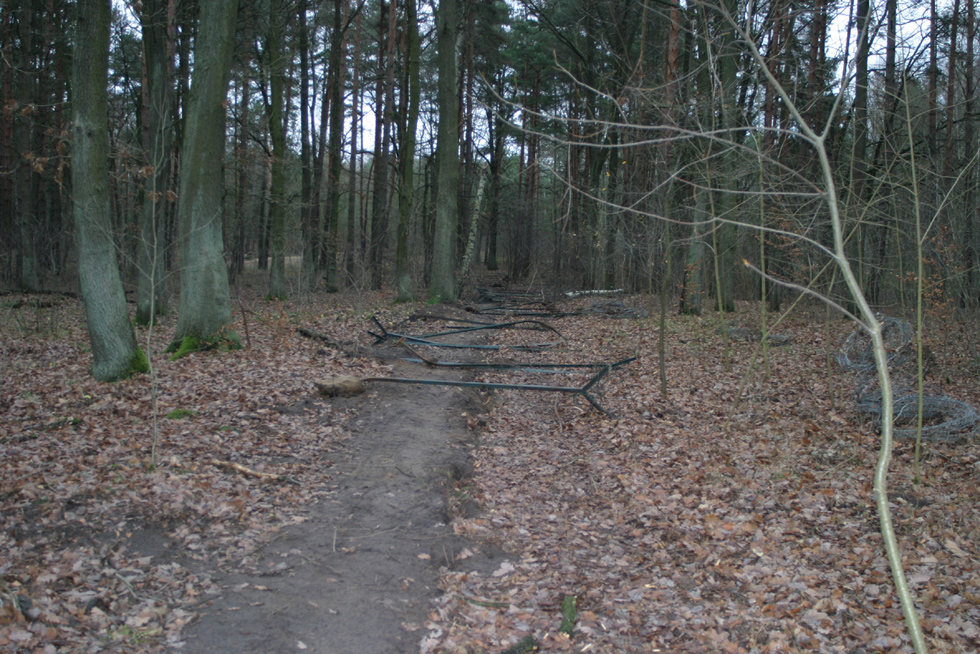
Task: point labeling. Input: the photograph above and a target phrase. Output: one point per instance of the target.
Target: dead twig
(248, 472)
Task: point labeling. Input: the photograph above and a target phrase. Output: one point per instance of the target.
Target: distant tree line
(399, 143)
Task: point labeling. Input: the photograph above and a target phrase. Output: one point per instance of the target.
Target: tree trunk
(150, 299)
(465, 79)
(442, 286)
(332, 220)
(693, 289)
(859, 166)
(380, 206)
(353, 227)
(496, 168)
(728, 82)
(310, 266)
(406, 188)
(951, 93)
(205, 302)
(692, 292)
(276, 60)
(114, 351)
(971, 230)
(611, 217)
(933, 82)
(24, 176)
(242, 186)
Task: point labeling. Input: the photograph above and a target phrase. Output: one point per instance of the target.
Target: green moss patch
(224, 341)
(184, 347)
(139, 363)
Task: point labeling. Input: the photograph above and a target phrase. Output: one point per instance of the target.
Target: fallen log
(342, 386)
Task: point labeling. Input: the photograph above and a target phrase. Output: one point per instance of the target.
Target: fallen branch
(309, 333)
(426, 361)
(248, 472)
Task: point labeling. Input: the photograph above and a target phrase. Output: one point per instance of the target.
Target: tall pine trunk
(442, 285)
(353, 226)
(150, 298)
(332, 222)
(276, 59)
(406, 188)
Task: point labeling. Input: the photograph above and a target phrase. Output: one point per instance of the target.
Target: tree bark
(951, 93)
(406, 187)
(24, 175)
(442, 285)
(971, 229)
(114, 350)
(496, 126)
(933, 82)
(380, 206)
(353, 226)
(337, 75)
(276, 60)
(310, 266)
(205, 302)
(150, 299)
(859, 165)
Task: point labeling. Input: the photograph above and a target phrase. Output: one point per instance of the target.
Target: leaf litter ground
(686, 524)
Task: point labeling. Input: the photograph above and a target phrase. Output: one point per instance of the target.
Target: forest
(611, 144)
(741, 222)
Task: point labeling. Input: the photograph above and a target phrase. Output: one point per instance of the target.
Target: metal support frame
(427, 339)
(583, 391)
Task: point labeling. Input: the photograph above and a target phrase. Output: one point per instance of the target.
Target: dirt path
(360, 574)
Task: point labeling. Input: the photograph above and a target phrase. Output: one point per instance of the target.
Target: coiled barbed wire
(944, 418)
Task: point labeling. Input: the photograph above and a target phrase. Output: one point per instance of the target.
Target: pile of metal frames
(601, 369)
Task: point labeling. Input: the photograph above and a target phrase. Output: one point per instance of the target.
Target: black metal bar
(476, 384)
(543, 368)
(502, 325)
(447, 319)
(418, 339)
(522, 387)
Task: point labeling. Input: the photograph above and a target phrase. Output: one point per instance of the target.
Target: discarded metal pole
(385, 334)
(583, 391)
(541, 368)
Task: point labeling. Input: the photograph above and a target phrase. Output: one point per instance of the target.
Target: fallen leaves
(692, 523)
(97, 549)
(735, 515)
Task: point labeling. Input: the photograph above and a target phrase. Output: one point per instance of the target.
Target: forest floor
(733, 515)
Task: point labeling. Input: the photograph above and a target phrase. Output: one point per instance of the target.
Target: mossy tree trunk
(205, 302)
(114, 351)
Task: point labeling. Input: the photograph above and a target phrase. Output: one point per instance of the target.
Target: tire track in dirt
(360, 575)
